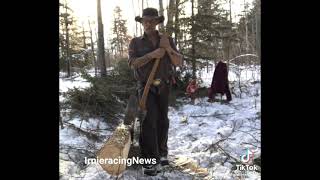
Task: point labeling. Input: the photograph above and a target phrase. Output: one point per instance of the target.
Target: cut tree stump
(116, 148)
(118, 145)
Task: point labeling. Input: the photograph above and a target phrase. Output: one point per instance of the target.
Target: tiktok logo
(246, 158)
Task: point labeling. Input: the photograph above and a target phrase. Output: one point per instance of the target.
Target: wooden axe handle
(143, 99)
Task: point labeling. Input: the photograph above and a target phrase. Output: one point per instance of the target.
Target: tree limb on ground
(258, 141)
(251, 144)
(89, 135)
(226, 137)
(213, 115)
(214, 144)
(227, 154)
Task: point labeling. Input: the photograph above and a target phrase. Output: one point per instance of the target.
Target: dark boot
(164, 161)
(151, 170)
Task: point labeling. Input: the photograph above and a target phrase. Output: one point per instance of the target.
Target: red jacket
(192, 87)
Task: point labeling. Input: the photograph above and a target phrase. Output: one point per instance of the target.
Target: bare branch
(89, 135)
(227, 154)
(250, 135)
(213, 115)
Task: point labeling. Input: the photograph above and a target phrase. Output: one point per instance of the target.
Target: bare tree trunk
(139, 13)
(239, 81)
(98, 62)
(108, 58)
(170, 12)
(61, 122)
(226, 45)
(101, 54)
(117, 37)
(92, 49)
(258, 30)
(62, 51)
(136, 33)
(142, 4)
(121, 49)
(184, 37)
(63, 46)
(176, 22)
(67, 42)
(230, 12)
(193, 51)
(84, 37)
(96, 33)
(120, 45)
(161, 26)
(84, 43)
(246, 25)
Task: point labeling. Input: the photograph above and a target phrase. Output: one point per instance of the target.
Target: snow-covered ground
(215, 135)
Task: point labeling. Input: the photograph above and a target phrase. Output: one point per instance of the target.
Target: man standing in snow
(143, 51)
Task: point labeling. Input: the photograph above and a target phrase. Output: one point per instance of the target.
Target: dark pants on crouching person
(154, 127)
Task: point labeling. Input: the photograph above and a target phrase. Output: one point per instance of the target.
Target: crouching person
(192, 89)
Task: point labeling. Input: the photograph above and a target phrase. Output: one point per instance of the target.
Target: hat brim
(159, 18)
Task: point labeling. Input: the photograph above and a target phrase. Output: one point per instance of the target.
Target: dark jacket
(220, 82)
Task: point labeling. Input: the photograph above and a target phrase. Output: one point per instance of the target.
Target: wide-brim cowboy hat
(150, 13)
